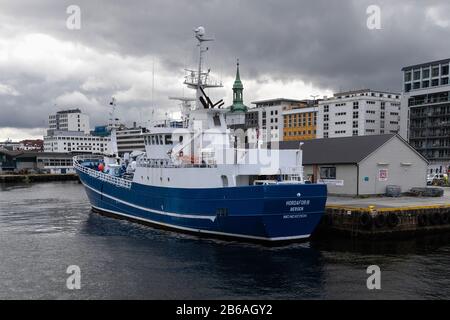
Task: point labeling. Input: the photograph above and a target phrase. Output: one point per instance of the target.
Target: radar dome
(200, 31)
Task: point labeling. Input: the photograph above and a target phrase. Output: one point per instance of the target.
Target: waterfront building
(362, 165)
(270, 118)
(130, 139)
(8, 160)
(44, 162)
(299, 120)
(68, 120)
(31, 145)
(10, 145)
(358, 113)
(426, 112)
(76, 142)
(69, 132)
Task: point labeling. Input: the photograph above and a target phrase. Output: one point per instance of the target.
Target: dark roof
(33, 154)
(10, 153)
(278, 100)
(348, 150)
(426, 64)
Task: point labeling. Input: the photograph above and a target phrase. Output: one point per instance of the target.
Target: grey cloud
(325, 43)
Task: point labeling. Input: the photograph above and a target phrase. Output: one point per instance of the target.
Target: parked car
(436, 179)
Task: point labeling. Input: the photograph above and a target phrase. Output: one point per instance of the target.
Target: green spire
(238, 98)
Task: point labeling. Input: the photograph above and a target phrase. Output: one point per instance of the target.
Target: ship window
(161, 140)
(168, 139)
(216, 119)
(180, 139)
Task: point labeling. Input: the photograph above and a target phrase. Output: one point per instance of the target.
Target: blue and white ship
(193, 178)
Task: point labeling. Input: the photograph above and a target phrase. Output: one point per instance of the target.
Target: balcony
(415, 103)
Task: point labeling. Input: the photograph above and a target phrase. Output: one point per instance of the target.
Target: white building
(76, 142)
(425, 110)
(68, 120)
(358, 113)
(270, 118)
(130, 139)
(69, 132)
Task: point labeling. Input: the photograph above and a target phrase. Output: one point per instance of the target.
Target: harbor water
(47, 227)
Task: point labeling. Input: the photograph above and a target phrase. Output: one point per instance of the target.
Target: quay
(385, 217)
(25, 178)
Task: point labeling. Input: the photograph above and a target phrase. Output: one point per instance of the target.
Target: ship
(194, 177)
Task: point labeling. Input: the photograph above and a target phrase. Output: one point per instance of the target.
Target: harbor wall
(25, 178)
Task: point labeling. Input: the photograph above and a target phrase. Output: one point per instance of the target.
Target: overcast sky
(287, 48)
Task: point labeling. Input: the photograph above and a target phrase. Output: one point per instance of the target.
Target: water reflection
(46, 227)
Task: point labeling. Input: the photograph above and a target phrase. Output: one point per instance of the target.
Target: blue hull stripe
(212, 218)
(203, 231)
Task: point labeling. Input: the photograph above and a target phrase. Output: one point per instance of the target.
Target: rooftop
(69, 111)
(350, 92)
(279, 100)
(32, 154)
(346, 150)
(415, 66)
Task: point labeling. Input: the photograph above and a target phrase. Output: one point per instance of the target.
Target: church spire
(238, 98)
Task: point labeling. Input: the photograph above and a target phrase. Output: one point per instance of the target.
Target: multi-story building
(358, 113)
(69, 132)
(426, 111)
(299, 121)
(270, 118)
(130, 139)
(76, 142)
(68, 120)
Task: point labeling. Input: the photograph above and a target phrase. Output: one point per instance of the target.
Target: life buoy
(393, 220)
(422, 220)
(365, 220)
(380, 220)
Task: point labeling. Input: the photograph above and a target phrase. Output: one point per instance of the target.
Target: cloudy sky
(287, 48)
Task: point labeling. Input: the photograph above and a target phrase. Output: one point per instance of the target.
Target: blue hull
(280, 212)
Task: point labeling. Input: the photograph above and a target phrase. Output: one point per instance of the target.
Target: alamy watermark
(374, 17)
(73, 282)
(73, 21)
(374, 280)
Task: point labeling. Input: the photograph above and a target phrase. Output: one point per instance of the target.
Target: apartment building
(299, 121)
(426, 111)
(270, 119)
(358, 113)
(68, 120)
(68, 131)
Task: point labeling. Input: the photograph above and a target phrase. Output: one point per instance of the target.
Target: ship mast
(199, 79)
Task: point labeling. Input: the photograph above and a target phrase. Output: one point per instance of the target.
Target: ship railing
(98, 174)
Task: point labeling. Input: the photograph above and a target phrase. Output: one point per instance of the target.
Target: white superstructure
(201, 153)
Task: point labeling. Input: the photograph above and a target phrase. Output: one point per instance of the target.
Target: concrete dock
(25, 178)
(386, 217)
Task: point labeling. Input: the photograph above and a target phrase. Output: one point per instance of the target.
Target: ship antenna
(113, 124)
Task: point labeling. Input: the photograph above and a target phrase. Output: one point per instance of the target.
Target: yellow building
(299, 121)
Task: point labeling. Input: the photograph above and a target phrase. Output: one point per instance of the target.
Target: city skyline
(118, 50)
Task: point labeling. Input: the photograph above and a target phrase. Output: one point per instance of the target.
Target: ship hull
(274, 213)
